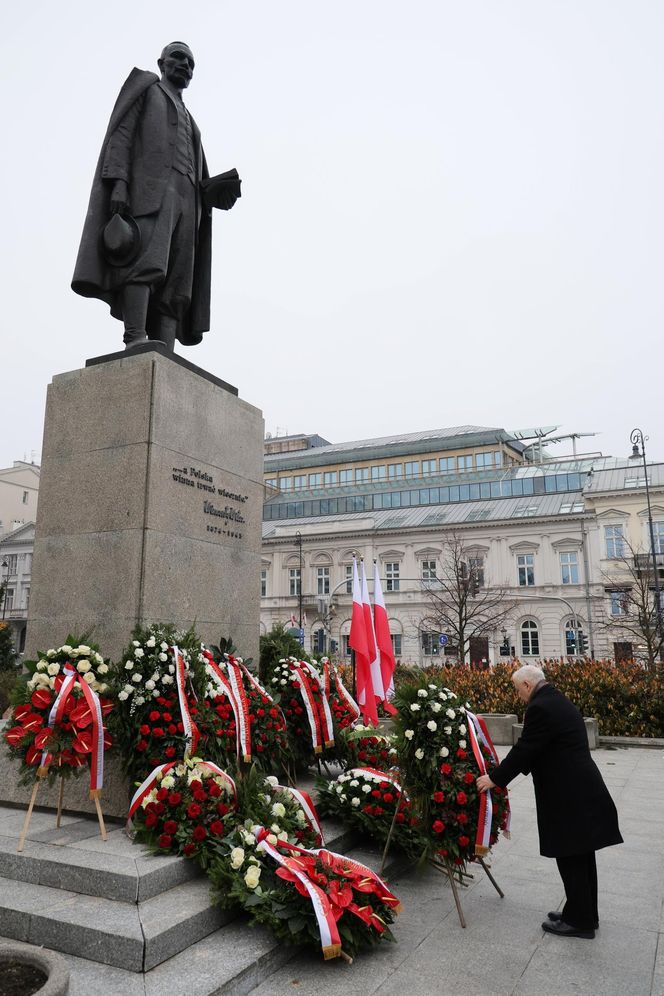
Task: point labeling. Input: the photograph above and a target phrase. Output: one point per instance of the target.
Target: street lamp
(5, 572)
(637, 439)
(298, 540)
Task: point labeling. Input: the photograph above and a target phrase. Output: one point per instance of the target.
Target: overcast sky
(452, 212)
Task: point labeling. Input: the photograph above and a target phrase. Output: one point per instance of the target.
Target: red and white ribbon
(252, 679)
(327, 926)
(330, 674)
(324, 714)
(307, 806)
(191, 733)
(310, 707)
(242, 746)
(478, 734)
(242, 721)
(56, 716)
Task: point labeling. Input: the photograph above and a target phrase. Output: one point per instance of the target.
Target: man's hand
(484, 783)
(119, 197)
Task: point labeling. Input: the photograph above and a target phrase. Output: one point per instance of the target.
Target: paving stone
(175, 919)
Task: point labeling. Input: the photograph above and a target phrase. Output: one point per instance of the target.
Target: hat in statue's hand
(120, 240)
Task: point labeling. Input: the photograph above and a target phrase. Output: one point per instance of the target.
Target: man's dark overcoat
(575, 813)
(139, 147)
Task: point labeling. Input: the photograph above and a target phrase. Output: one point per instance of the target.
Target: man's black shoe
(562, 929)
(556, 917)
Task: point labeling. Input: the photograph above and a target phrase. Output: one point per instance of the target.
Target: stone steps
(113, 903)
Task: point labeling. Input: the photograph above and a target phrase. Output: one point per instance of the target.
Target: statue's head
(176, 64)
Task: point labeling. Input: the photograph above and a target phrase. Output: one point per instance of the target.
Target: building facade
(533, 533)
(15, 577)
(19, 490)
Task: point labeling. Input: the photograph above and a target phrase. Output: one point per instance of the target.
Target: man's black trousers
(579, 875)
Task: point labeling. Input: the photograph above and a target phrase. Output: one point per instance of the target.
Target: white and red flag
(383, 640)
(374, 653)
(359, 642)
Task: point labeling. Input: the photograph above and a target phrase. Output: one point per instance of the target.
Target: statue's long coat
(575, 813)
(145, 155)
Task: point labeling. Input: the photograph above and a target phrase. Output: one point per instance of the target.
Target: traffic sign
(443, 640)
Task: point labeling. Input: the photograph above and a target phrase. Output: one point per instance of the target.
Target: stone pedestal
(150, 505)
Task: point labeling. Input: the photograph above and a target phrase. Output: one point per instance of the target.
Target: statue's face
(177, 66)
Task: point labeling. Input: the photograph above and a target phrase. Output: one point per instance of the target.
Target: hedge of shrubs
(626, 700)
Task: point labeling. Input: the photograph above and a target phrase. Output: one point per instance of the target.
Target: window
(319, 642)
(615, 541)
(330, 477)
(483, 460)
(524, 511)
(300, 482)
(478, 514)
(658, 533)
(392, 577)
(429, 466)
(12, 561)
(349, 579)
(412, 469)
(529, 639)
(345, 477)
(572, 506)
(26, 597)
(361, 474)
(8, 603)
(396, 644)
(378, 473)
(635, 482)
(430, 644)
(476, 568)
(569, 568)
(285, 483)
(466, 462)
(395, 471)
(271, 482)
(315, 480)
(323, 580)
(294, 581)
(573, 634)
(263, 583)
(428, 569)
(447, 465)
(619, 601)
(345, 646)
(526, 569)
(498, 458)
(26, 495)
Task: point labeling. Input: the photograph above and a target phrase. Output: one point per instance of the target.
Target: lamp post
(5, 576)
(637, 439)
(298, 540)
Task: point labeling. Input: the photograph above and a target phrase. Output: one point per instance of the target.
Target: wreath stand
(444, 867)
(41, 774)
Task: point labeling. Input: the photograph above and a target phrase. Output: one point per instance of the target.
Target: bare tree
(459, 603)
(638, 620)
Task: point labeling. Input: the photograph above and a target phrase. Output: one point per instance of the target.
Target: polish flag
(358, 640)
(374, 652)
(383, 640)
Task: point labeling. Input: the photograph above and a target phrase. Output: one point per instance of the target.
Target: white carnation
(137, 677)
(450, 713)
(419, 753)
(271, 780)
(53, 668)
(422, 693)
(355, 801)
(409, 734)
(163, 657)
(139, 652)
(462, 744)
(444, 752)
(129, 665)
(431, 725)
(366, 788)
(139, 700)
(415, 707)
(447, 730)
(151, 642)
(462, 728)
(149, 685)
(163, 646)
(278, 809)
(122, 695)
(436, 707)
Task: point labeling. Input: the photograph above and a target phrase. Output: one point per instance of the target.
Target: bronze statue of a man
(146, 244)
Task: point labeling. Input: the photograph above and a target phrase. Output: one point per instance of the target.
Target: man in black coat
(576, 815)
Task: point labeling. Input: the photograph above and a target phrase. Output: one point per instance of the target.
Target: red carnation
(222, 808)
(151, 820)
(188, 849)
(172, 729)
(142, 745)
(461, 753)
(193, 810)
(376, 794)
(144, 730)
(162, 794)
(438, 826)
(200, 833)
(461, 798)
(439, 797)
(170, 752)
(446, 769)
(388, 797)
(462, 818)
(469, 778)
(165, 841)
(154, 716)
(213, 790)
(196, 783)
(170, 826)
(400, 817)
(167, 717)
(464, 841)
(174, 799)
(217, 827)
(158, 808)
(157, 732)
